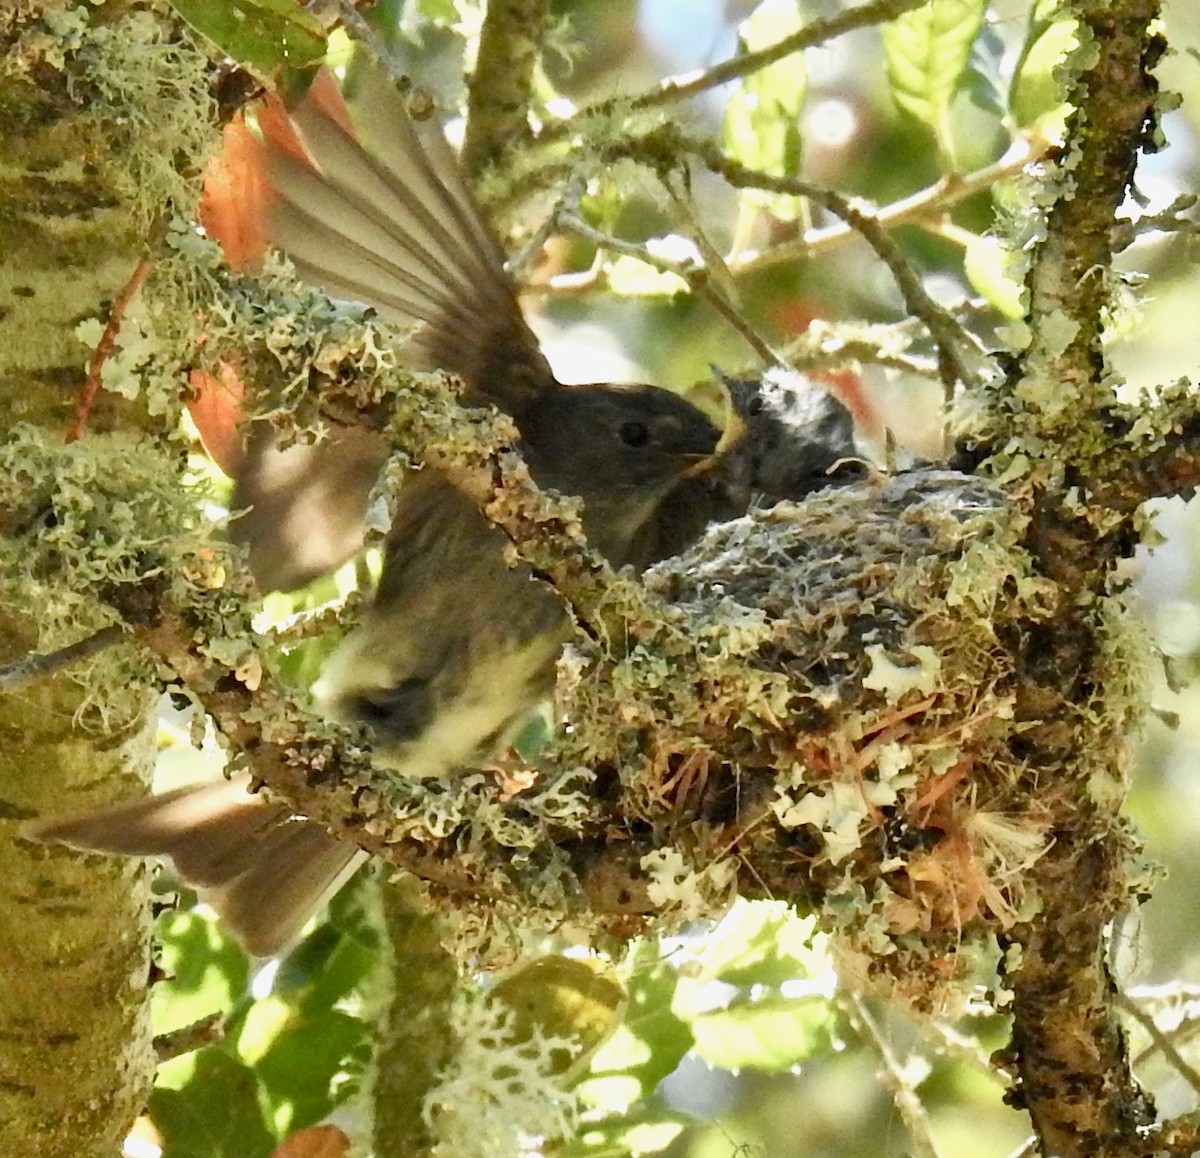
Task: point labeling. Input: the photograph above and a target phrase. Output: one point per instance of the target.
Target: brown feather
(263, 870)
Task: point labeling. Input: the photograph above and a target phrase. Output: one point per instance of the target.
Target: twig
(108, 339)
(189, 1038)
(1179, 1138)
(353, 22)
(920, 206)
(319, 622)
(1028, 1149)
(804, 353)
(914, 209)
(35, 667)
(948, 335)
(1163, 1043)
(907, 1100)
(693, 274)
(519, 265)
(964, 1050)
(690, 84)
(945, 330)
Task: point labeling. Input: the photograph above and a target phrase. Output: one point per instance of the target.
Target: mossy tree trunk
(75, 1049)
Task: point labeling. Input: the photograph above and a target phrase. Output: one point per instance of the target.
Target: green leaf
(566, 997)
(928, 51)
(762, 119)
(763, 943)
(1036, 95)
(532, 737)
(988, 77)
(649, 1043)
(644, 1130)
(773, 1034)
(986, 262)
(206, 971)
(216, 1114)
(441, 12)
(635, 278)
(267, 34)
(334, 961)
(313, 1066)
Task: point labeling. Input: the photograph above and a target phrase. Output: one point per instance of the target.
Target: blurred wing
(303, 508)
(372, 206)
(263, 870)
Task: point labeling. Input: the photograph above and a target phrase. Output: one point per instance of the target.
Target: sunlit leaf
(333, 961)
(762, 119)
(763, 943)
(987, 263)
(773, 1034)
(645, 1130)
(566, 997)
(628, 275)
(313, 1066)
(928, 51)
(443, 12)
(647, 1045)
(216, 1114)
(206, 971)
(1036, 96)
(267, 34)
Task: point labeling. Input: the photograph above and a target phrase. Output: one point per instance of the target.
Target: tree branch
(679, 88)
(1070, 1054)
(500, 91)
(35, 667)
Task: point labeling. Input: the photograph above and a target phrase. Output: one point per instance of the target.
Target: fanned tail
(262, 869)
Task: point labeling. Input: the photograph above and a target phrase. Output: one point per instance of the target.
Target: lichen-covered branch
(1069, 1052)
(1065, 385)
(500, 91)
(745, 64)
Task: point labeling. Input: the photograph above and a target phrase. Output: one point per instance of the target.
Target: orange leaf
(315, 1142)
(216, 409)
(235, 197)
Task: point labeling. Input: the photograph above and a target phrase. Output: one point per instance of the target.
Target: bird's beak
(731, 435)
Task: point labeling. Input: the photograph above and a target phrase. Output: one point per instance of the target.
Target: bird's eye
(400, 711)
(634, 433)
(754, 407)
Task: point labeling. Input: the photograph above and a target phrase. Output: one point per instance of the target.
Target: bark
(414, 1034)
(76, 1059)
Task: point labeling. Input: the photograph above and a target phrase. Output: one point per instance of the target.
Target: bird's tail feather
(264, 870)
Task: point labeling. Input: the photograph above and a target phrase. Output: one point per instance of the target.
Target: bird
(458, 644)
(796, 437)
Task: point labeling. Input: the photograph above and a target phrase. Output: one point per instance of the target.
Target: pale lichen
(501, 1095)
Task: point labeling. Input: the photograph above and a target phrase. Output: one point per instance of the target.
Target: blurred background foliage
(738, 1041)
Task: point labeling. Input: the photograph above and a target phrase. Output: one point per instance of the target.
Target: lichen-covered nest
(830, 698)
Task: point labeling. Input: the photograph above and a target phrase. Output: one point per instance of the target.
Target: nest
(826, 699)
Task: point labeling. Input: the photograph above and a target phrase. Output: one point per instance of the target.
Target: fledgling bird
(795, 438)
